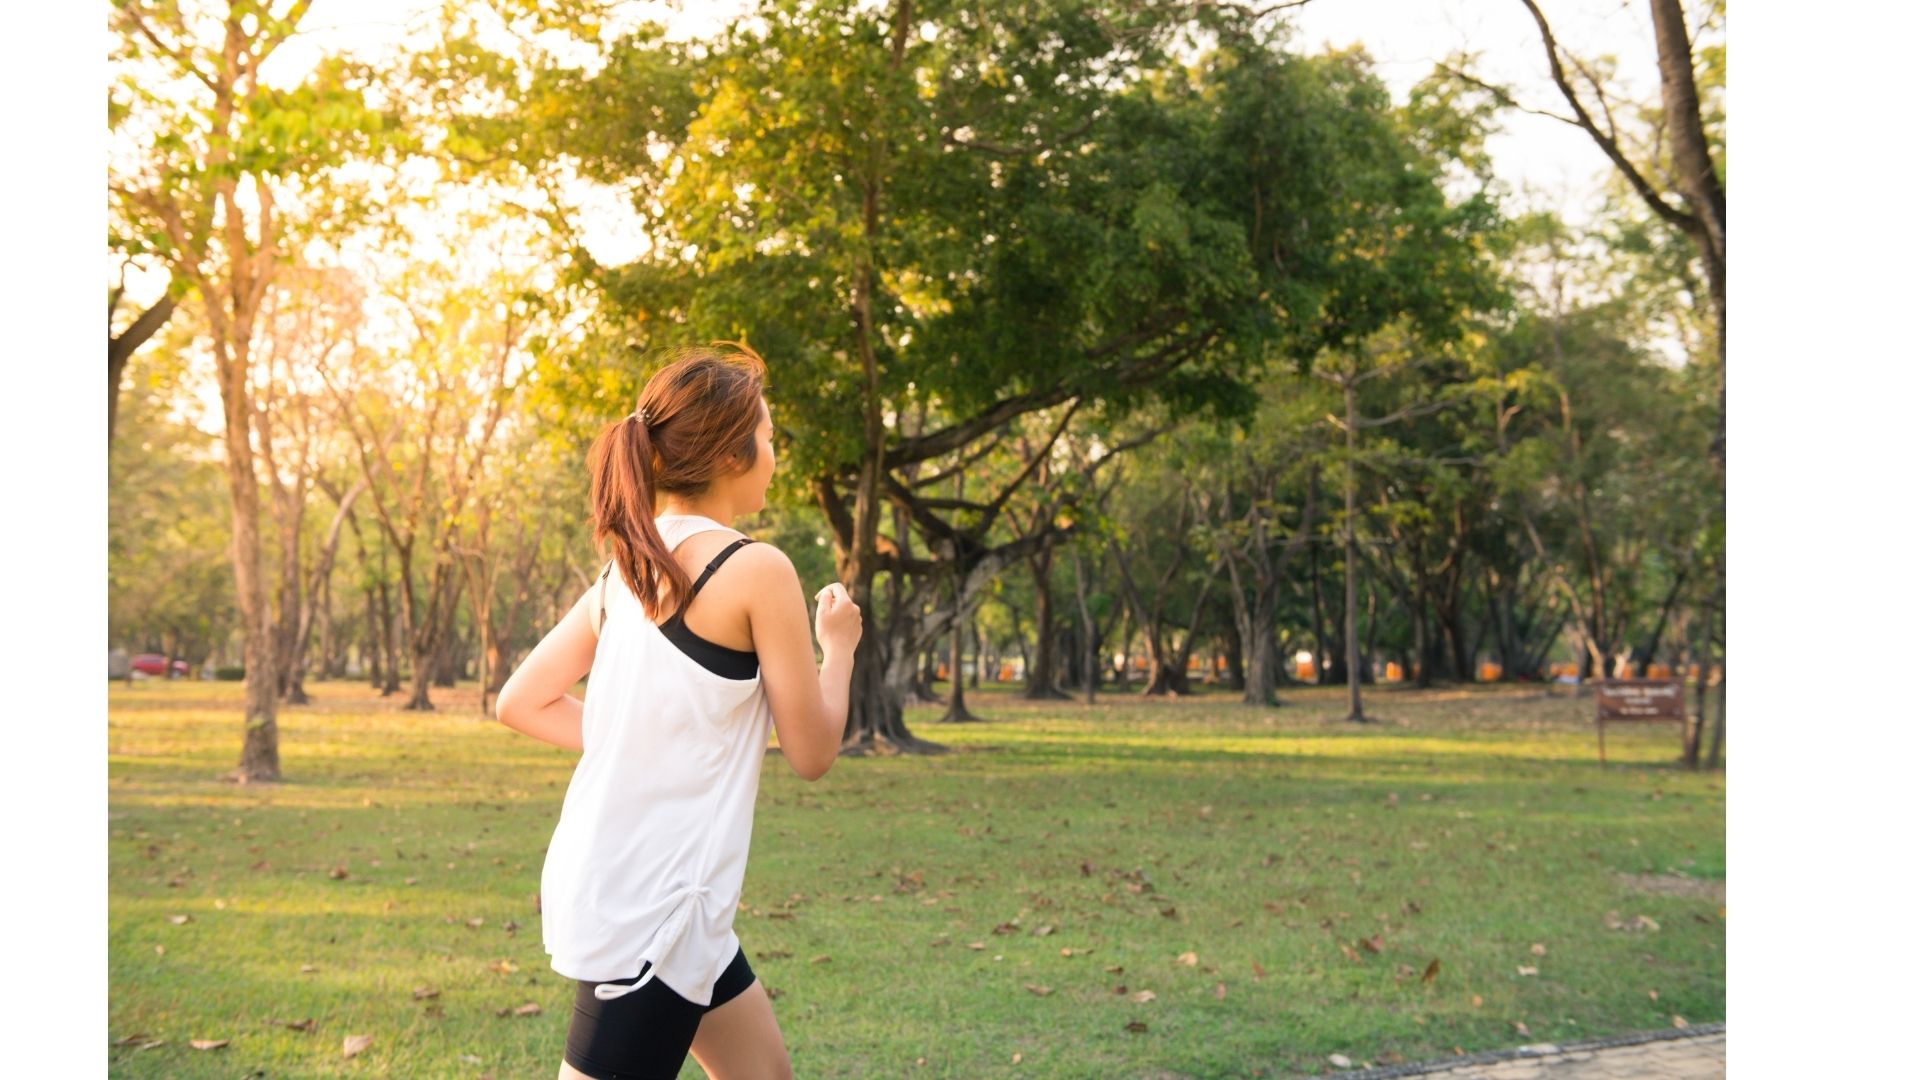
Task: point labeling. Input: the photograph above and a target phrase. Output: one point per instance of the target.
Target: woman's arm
(534, 700)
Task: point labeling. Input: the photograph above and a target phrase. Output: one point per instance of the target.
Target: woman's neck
(707, 508)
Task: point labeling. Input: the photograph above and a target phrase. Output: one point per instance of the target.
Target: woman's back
(650, 853)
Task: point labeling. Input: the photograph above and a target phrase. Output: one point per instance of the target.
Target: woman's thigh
(740, 1040)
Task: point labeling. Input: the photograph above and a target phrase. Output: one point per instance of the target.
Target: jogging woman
(697, 640)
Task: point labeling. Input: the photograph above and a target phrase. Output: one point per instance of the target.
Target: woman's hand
(836, 620)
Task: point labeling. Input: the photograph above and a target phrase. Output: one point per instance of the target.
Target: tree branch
(1667, 211)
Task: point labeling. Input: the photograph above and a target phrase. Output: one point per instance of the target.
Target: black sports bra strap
(702, 580)
(715, 565)
(604, 575)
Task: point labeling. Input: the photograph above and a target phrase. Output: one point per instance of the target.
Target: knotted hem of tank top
(661, 944)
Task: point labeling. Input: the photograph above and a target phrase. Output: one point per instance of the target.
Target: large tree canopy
(972, 214)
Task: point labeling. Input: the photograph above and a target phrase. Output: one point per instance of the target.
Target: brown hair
(701, 410)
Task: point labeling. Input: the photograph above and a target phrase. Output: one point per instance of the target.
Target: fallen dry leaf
(1372, 944)
(1477, 1000)
(1525, 969)
(208, 1044)
(476, 923)
(308, 969)
(1016, 1057)
(1258, 971)
(1220, 991)
(1340, 1061)
(337, 873)
(821, 959)
(1043, 991)
(354, 1044)
(1136, 1025)
(179, 920)
(1145, 996)
(1116, 969)
(1433, 968)
(422, 993)
(1521, 1027)
(531, 1008)
(1188, 958)
(296, 1025)
(1538, 949)
(129, 1040)
(1679, 1021)
(504, 966)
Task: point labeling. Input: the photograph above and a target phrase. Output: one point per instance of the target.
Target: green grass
(1467, 826)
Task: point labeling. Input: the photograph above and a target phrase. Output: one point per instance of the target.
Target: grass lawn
(1281, 884)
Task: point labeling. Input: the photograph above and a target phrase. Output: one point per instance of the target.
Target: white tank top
(646, 864)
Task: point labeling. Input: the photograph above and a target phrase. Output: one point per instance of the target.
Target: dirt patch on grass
(1676, 885)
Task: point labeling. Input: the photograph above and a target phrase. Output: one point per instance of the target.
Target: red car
(155, 664)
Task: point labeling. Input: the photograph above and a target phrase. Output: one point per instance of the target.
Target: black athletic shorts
(644, 1035)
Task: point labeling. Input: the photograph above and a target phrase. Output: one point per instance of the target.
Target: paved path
(1691, 1053)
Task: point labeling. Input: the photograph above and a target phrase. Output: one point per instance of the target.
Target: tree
(422, 421)
(1674, 165)
(216, 173)
(169, 581)
(984, 214)
(1348, 372)
(308, 313)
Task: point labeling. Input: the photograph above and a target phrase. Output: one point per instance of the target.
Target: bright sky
(1546, 163)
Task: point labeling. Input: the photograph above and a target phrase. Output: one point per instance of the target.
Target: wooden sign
(1632, 700)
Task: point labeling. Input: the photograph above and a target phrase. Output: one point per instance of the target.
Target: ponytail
(695, 420)
(622, 493)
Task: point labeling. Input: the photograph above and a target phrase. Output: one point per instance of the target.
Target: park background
(1547, 396)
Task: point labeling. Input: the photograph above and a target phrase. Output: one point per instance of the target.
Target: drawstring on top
(662, 943)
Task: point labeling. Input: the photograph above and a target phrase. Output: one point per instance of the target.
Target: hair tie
(638, 414)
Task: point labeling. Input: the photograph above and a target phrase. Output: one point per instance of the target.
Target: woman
(697, 640)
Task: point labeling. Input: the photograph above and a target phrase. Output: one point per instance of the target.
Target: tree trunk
(979, 666)
(1697, 717)
(1089, 631)
(323, 616)
(1040, 673)
(1235, 673)
(1355, 714)
(1422, 660)
(290, 511)
(1652, 646)
(260, 749)
(1320, 657)
(957, 712)
(374, 647)
(1367, 652)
